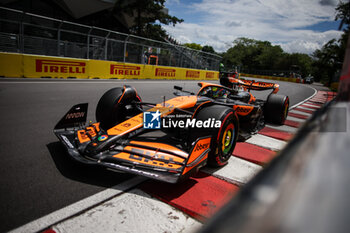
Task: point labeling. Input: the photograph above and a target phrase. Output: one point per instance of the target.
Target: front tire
(223, 139)
(115, 106)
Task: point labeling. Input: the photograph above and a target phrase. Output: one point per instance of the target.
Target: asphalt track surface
(36, 175)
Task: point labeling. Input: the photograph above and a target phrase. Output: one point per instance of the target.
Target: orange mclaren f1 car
(171, 140)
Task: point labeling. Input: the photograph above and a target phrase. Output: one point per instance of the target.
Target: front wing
(153, 160)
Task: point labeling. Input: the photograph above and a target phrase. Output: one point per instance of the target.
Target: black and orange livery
(273, 110)
(120, 142)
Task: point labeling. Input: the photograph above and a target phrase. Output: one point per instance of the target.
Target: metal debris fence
(22, 32)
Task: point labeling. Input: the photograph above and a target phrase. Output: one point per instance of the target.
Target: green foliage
(329, 59)
(148, 16)
(193, 46)
(208, 49)
(343, 14)
(252, 54)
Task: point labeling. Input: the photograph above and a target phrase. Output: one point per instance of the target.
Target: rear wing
(256, 86)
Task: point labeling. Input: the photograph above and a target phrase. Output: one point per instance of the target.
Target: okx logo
(151, 120)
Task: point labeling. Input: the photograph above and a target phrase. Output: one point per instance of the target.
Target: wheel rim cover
(228, 138)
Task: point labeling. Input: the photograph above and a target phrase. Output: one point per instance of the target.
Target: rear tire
(223, 139)
(114, 108)
(276, 109)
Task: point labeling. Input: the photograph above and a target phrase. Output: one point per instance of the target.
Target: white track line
(301, 102)
(311, 106)
(284, 128)
(76, 208)
(237, 171)
(295, 119)
(301, 113)
(306, 108)
(266, 142)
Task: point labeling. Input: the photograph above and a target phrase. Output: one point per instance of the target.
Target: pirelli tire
(116, 106)
(223, 139)
(276, 109)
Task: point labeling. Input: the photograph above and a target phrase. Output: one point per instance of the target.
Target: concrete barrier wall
(32, 66)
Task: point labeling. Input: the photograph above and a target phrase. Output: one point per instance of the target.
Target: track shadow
(273, 124)
(88, 174)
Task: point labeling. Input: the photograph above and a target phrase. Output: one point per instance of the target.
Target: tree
(147, 15)
(254, 55)
(328, 60)
(193, 46)
(342, 13)
(208, 49)
(241, 53)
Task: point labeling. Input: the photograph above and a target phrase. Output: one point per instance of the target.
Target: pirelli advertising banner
(11, 65)
(31, 66)
(35, 66)
(116, 70)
